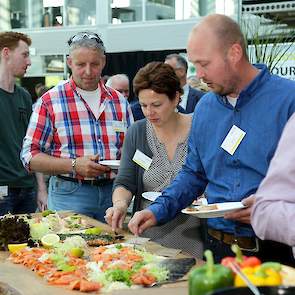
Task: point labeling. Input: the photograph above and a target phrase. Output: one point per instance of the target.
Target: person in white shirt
(190, 96)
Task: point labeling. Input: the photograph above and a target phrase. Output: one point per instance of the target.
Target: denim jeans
(81, 198)
(18, 201)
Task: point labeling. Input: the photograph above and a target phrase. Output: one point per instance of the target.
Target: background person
(40, 89)
(162, 137)
(274, 207)
(190, 96)
(17, 186)
(119, 82)
(73, 126)
(194, 82)
(234, 134)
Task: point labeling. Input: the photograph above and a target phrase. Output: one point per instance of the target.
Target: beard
(227, 87)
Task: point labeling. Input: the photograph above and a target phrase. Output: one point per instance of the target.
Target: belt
(245, 243)
(94, 182)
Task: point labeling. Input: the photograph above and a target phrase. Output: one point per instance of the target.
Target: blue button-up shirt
(262, 110)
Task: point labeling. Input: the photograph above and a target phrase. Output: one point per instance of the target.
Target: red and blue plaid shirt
(63, 125)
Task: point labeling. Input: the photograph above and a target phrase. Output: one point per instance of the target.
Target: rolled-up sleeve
(39, 134)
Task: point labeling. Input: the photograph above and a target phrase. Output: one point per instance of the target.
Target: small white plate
(222, 209)
(113, 164)
(151, 196)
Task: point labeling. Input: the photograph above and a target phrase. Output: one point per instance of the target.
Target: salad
(105, 268)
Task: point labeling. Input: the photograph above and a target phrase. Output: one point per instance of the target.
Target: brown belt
(245, 243)
(94, 182)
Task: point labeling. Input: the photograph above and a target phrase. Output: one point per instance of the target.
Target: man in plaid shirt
(73, 126)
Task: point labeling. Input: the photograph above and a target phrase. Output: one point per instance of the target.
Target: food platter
(213, 210)
(62, 258)
(102, 269)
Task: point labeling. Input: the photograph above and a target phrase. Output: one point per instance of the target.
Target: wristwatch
(74, 161)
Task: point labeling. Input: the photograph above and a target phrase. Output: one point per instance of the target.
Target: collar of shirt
(184, 97)
(248, 92)
(232, 100)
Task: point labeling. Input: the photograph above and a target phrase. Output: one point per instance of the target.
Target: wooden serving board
(27, 282)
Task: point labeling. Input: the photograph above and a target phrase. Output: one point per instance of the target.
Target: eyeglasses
(81, 36)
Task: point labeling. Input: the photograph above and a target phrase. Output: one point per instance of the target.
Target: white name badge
(119, 126)
(233, 139)
(3, 191)
(142, 160)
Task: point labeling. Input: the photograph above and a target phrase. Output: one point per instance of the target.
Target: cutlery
(238, 271)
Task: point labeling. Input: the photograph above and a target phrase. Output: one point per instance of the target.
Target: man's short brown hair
(11, 39)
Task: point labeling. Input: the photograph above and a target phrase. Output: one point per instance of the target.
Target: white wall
(118, 38)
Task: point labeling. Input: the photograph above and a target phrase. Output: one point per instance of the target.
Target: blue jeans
(81, 198)
(18, 201)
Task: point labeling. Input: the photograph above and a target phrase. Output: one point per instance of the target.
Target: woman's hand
(115, 215)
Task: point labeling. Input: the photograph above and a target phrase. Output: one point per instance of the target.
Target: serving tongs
(249, 284)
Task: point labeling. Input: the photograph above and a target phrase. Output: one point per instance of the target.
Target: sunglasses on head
(81, 36)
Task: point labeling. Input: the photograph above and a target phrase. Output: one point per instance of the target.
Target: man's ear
(235, 53)
(5, 52)
(69, 62)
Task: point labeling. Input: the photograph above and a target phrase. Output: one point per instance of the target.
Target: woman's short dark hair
(159, 77)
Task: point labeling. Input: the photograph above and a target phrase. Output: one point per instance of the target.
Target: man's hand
(88, 167)
(242, 215)
(42, 194)
(115, 215)
(42, 200)
(140, 221)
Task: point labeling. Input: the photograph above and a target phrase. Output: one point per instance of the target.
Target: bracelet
(74, 161)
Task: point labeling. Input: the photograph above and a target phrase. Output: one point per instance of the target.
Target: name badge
(142, 160)
(233, 139)
(3, 191)
(119, 126)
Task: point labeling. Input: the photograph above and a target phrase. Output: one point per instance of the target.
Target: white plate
(113, 164)
(151, 196)
(222, 209)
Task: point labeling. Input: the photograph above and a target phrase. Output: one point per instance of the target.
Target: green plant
(268, 42)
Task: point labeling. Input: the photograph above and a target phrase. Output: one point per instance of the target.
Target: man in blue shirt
(234, 134)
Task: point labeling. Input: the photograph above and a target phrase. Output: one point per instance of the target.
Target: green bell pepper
(209, 277)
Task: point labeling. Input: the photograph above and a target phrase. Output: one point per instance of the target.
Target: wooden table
(28, 282)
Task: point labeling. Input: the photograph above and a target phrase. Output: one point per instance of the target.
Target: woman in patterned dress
(153, 153)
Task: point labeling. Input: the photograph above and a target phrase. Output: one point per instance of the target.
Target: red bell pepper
(240, 259)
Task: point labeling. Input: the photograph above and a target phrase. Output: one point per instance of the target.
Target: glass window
(126, 11)
(47, 13)
(14, 14)
(227, 7)
(43, 65)
(160, 9)
(81, 12)
(53, 63)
